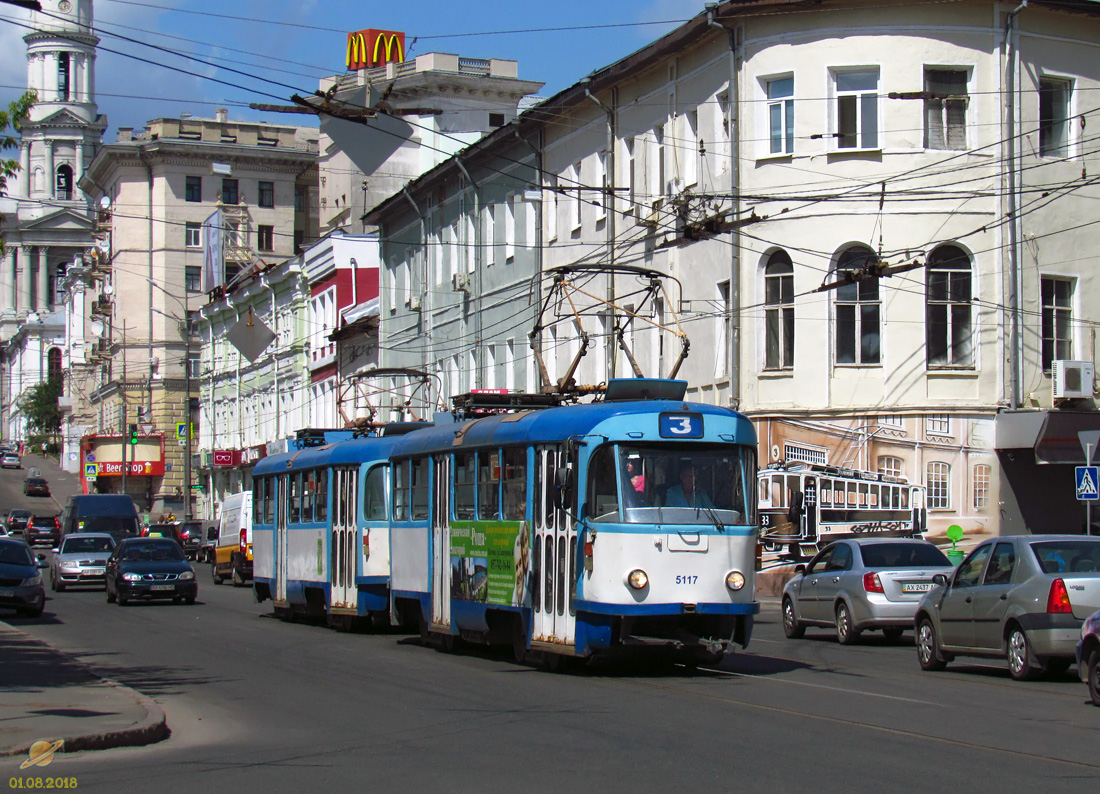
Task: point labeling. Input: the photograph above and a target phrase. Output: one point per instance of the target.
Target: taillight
(872, 584)
(244, 541)
(588, 551)
(1058, 600)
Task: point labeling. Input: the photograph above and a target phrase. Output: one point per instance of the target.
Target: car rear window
(111, 524)
(1067, 556)
(82, 545)
(902, 555)
(153, 552)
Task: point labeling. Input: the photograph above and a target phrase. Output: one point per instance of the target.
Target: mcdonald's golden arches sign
(369, 48)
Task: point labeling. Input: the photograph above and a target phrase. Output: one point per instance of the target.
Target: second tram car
(805, 506)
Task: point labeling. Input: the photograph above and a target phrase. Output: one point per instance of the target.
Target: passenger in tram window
(684, 493)
(634, 483)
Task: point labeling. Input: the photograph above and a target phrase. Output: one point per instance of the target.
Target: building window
(64, 64)
(939, 486)
(231, 273)
(194, 365)
(630, 173)
(937, 424)
(1057, 295)
(722, 330)
(299, 240)
(982, 474)
(781, 115)
(889, 466)
(192, 278)
(510, 229)
(892, 420)
(267, 194)
(229, 191)
(945, 101)
(857, 312)
(948, 331)
(64, 190)
(299, 198)
(857, 110)
(54, 373)
(575, 185)
(265, 238)
(779, 312)
(797, 452)
(193, 189)
(192, 235)
(1054, 106)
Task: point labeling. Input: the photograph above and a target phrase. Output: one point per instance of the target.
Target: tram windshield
(639, 484)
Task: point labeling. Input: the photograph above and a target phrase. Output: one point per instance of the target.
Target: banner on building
(370, 48)
(213, 262)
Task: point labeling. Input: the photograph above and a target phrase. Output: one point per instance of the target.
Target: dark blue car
(149, 568)
(20, 578)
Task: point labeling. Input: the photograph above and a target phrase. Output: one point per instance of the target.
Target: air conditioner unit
(460, 282)
(1071, 379)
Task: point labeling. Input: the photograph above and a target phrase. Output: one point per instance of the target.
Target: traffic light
(133, 434)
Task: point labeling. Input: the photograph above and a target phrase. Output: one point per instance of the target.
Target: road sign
(1088, 483)
(146, 428)
(91, 471)
(181, 430)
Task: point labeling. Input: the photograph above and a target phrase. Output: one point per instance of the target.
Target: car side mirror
(800, 568)
(55, 551)
(940, 579)
(42, 561)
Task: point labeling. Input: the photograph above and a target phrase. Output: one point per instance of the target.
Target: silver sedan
(81, 559)
(862, 583)
(1021, 598)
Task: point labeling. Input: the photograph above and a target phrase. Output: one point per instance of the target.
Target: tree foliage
(11, 122)
(39, 405)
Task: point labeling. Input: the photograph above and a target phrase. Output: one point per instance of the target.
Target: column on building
(78, 166)
(51, 178)
(7, 283)
(86, 78)
(42, 301)
(50, 61)
(23, 292)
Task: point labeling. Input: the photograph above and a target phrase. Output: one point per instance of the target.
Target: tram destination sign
(681, 425)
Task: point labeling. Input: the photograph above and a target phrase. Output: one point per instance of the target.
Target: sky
(281, 47)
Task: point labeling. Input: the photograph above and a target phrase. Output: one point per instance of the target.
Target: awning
(1052, 434)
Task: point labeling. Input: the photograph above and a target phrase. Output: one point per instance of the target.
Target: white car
(9, 460)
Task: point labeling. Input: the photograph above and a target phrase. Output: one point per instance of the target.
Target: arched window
(38, 183)
(948, 312)
(53, 365)
(64, 64)
(64, 183)
(857, 311)
(779, 312)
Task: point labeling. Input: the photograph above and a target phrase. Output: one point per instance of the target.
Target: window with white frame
(889, 466)
(805, 454)
(550, 203)
(450, 250)
(982, 476)
(691, 145)
(630, 174)
(938, 424)
(948, 332)
(658, 171)
(938, 483)
(192, 235)
(780, 93)
(858, 332)
(1057, 321)
(1054, 116)
(510, 365)
(892, 421)
(857, 109)
(945, 102)
(722, 330)
(469, 228)
(577, 191)
(601, 180)
(391, 282)
(489, 232)
(490, 366)
(779, 312)
(510, 229)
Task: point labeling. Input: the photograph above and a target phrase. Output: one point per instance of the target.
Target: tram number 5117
(686, 578)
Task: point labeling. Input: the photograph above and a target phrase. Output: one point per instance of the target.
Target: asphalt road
(260, 705)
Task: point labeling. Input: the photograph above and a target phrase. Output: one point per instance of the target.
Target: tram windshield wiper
(712, 514)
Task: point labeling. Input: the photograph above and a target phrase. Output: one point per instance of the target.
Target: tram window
(320, 498)
(603, 497)
(904, 493)
(269, 501)
(309, 489)
(400, 495)
(464, 485)
(536, 574)
(488, 485)
(873, 496)
(419, 485)
(862, 494)
(374, 495)
(825, 493)
(294, 498)
(851, 494)
(258, 500)
(778, 492)
(561, 583)
(515, 484)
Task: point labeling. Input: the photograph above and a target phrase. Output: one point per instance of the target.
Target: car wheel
(893, 634)
(110, 596)
(56, 585)
(121, 599)
(928, 648)
(1020, 664)
(846, 632)
(238, 579)
(792, 627)
(1094, 677)
(218, 579)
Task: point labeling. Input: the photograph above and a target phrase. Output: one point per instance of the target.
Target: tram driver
(685, 493)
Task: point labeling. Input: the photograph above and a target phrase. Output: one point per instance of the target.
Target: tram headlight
(638, 579)
(735, 580)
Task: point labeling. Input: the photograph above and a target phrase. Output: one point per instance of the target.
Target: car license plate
(921, 587)
(7, 593)
(94, 571)
(162, 587)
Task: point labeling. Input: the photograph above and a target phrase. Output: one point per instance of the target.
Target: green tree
(11, 122)
(39, 405)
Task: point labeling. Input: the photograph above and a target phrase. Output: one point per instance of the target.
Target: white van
(232, 558)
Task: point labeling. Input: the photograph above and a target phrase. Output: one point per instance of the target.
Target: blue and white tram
(579, 529)
(321, 529)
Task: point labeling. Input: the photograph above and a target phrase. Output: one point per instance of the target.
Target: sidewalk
(48, 695)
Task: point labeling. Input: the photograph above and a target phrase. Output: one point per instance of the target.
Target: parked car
(81, 559)
(17, 520)
(148, 568)
(36, 486)
(21, 578)
(43, 530)
(861, 584)
(9, 460)
(1022, 598)
(1088, 656)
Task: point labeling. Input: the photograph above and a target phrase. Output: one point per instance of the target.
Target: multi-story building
(872, 228)
(255, 185)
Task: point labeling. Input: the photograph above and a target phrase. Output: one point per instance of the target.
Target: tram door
(282, 505)
(441, 542)
(342, 545)
(553, 591)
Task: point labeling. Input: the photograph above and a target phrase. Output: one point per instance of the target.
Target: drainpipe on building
(733, 123)
(1015, 286)
(609, 198)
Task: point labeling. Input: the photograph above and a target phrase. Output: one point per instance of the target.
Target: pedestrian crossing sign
(1088, 483)
(91, 471)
